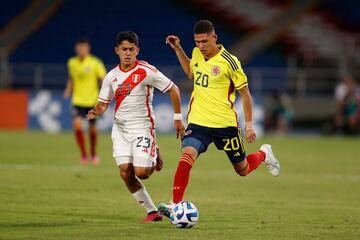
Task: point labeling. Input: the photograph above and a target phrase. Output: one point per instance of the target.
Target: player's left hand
(250, 135)
(179, 127)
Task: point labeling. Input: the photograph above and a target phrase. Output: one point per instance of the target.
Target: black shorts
(227, 139)
(77, 111)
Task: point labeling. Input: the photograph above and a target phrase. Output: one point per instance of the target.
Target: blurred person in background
(347, 97)
(85, 72)
(280, 114)
(135, 151)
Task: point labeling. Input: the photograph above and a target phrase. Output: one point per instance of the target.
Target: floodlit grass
(46, 194)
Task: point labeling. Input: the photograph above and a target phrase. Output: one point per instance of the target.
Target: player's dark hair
(131, 37)
(203, 26)
(83, 40)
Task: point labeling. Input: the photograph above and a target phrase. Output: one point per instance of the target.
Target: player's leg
(143, 167)
(93, 140)
(250, 163)
(143, 149)
(181, 179)
(195, 142)
(253, 160)
(127, 173)
(182, 175)
(137, 189)
(122, 152)
(79, 132)
(230, 140)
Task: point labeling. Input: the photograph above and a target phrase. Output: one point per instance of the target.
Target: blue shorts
(227, 139)
(77, 111)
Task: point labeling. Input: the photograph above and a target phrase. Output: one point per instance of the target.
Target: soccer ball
(184, 215)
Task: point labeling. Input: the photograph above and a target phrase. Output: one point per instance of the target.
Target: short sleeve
(238, 76)
(106, 91)
(70, 71)
(160, 81)
(192, 60)
(101, 70)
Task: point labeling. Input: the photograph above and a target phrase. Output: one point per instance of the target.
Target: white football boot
(270, 161)
(165, 209)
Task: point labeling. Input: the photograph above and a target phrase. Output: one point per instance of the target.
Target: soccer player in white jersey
(132, 83)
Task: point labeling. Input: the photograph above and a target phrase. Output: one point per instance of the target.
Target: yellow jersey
(85, 75)
(215, 82)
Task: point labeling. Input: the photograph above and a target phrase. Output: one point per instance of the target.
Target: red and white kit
(133, 133)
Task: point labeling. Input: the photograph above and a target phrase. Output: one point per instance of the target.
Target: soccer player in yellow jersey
(85, 72)
(212, 117)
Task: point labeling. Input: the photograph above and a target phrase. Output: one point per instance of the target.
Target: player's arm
(247, 108)
(99, 109)
(174, 43)
(104, 100)
(68, 88)
(101, 71)
(176, 102)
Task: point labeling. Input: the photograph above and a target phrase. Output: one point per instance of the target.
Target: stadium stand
(9, 9)
(300, 46)
(100, 24)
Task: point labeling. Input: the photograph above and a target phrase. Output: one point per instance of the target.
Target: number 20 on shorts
(233, 144)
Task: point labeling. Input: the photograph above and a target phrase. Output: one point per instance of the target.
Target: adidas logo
(236, 154)
(196, 64)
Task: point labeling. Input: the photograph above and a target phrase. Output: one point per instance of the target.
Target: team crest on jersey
(215, 70)
(135, 78)
(114, 80)
(87, 69)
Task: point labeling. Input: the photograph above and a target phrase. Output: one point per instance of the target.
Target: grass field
(46, 194)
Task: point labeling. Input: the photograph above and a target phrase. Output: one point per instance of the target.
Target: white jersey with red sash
(133, 92)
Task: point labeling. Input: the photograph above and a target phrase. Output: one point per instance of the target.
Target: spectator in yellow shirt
(85, 73)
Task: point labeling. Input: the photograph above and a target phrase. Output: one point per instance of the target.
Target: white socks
(143, 198)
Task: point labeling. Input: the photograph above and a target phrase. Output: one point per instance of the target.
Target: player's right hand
(180, 129)
(91, 114)
(250, 135)
(173, 41)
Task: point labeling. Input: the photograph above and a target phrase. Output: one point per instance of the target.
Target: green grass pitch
(46, 194)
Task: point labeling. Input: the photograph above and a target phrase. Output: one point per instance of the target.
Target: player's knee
(241, 170)
(125, 175)
(190, 151)
(241, 173)
(142, 174)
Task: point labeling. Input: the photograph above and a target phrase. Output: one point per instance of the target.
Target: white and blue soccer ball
(184, 215)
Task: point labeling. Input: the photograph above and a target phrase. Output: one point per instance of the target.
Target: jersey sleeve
(106, 91)
(238, 76)
(193, 60)
(160, 81)
(101, 70)
(70, 69)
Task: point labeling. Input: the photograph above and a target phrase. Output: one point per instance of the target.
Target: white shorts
(136, 148)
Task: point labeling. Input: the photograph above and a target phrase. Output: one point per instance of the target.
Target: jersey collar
(218, 53)
(136, 63)
(85, 58)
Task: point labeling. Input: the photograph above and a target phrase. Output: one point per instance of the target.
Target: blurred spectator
(280, 114)
(347, 97)
(85, 73)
